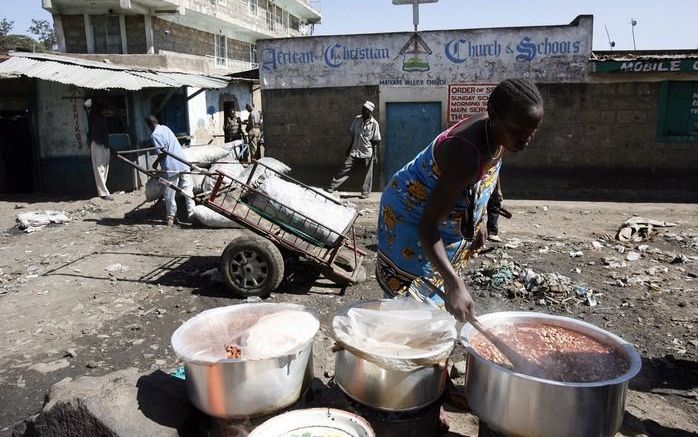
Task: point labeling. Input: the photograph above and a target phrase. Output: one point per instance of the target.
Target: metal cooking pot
(519, 405)
(384, 389)
(252, 388)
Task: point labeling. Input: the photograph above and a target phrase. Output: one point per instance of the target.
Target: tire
(252, 266)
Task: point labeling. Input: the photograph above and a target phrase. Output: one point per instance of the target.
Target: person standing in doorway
(232, 127)
(254, 131)
(172, 169)
(363, 149)
(98, 139)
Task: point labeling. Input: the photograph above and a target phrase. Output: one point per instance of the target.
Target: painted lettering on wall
(458, 50)
(528, 48)
(429, 58)
(647, 66)
(465, 100)
(273, 59)
(335, 55)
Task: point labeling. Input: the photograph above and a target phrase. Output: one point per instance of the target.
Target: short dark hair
(151, 120)
(514, 97)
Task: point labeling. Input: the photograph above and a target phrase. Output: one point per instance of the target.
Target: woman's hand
(458, 300)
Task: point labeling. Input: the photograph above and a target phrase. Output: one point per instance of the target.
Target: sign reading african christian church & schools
(429, 59)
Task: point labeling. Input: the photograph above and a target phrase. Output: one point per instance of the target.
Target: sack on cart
(308, 214)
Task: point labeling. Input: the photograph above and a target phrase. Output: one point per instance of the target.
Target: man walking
(363, 149)
(98, 139)
(254, 132)
(172, 169)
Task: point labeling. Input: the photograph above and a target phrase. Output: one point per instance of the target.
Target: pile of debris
(517, 280)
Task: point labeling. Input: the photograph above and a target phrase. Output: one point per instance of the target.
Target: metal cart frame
(336, 254)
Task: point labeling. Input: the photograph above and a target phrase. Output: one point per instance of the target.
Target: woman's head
(515, 111)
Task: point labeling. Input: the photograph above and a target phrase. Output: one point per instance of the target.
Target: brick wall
(309, 130)
(181, 39)
(238, 50)
(74, 31)
(598, 141)
(135, 33)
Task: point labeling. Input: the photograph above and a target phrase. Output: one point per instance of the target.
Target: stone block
(120, 404)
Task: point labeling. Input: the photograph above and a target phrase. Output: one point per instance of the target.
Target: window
(220, 48)
(106, 31)
(285, 21)
(271, 19)
(678, 112)
(254, 7)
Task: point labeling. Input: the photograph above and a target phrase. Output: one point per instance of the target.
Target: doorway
(410, 127)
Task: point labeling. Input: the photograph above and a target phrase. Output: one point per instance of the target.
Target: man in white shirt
(171, 169)
(363, 149)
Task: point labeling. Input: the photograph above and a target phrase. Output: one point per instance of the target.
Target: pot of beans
(580, 383)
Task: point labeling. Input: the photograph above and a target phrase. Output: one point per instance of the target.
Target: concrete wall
(206, 111)
(598, 141)
(550, 54)
(74, 31)
(309, 130)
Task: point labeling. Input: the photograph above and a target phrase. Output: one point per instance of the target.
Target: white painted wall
(56, 121)
(543, 53)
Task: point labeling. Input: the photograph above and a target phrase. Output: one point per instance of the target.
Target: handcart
(253, 264)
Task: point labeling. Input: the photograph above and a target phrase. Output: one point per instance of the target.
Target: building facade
(615, 129)
(223, 33)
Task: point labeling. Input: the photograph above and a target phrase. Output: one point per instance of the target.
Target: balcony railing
(230, 65)
(246, 14)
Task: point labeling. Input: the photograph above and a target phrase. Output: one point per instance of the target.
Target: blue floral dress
(400, 255)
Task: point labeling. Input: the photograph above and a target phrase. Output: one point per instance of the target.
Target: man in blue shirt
(170, 168)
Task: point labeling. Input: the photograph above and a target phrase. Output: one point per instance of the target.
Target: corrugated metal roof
(642, 55)
(95, 75)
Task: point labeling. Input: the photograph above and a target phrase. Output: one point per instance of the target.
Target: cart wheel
(347, 265)
(252, 266)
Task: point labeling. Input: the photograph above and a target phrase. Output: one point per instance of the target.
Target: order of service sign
(465, 99)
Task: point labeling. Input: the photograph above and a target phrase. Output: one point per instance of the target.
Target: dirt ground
(65, 314)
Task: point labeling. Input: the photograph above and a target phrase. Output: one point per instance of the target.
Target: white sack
(204, 155)
(333, 217)
(262, 170)
(154, 190)
(398, 334)
(198, 180)
(232, 169)
(211, 219)
(260, 330)
(35, 220)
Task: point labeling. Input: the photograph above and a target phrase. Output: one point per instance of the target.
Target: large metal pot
(519, 405)
(384, 389)
(251, 388)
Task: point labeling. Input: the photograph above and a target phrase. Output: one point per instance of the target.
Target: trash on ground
(638, 229)
(35, 220)
(518, 280)
(633, 256)
(116, 268)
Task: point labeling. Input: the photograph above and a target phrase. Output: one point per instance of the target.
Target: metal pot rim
(343, 310)
(178, 332)
(633, 357)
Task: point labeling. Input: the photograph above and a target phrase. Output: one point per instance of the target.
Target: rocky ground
(103, 293)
